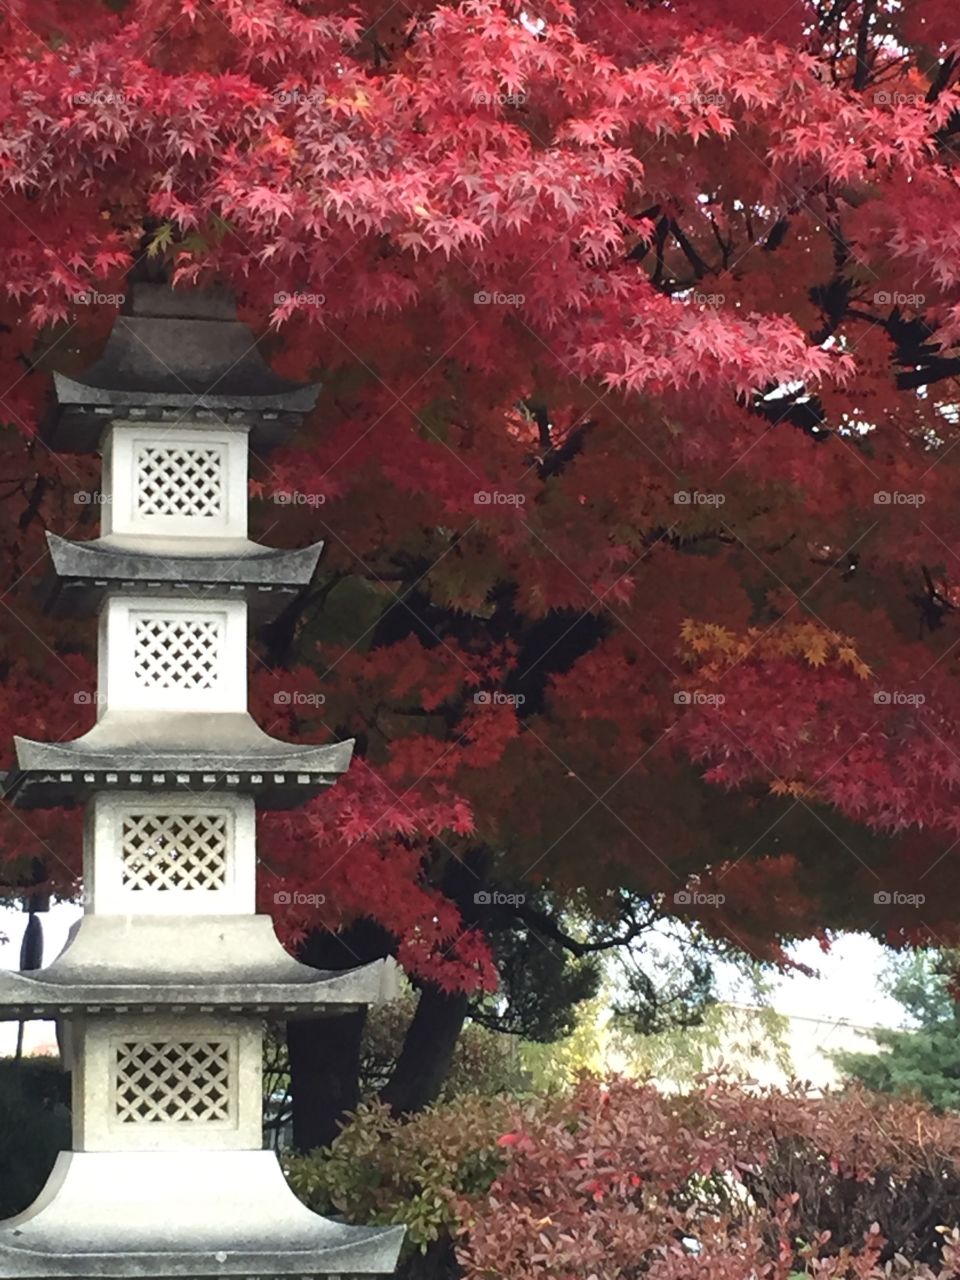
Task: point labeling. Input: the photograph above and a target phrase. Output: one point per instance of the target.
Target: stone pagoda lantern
(164, 983)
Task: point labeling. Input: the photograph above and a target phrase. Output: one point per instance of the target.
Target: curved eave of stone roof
(65, 788)
(83, 1224)
(248, 564)
(46, 994)
(233, 963)
(282, 397)
(178, 751)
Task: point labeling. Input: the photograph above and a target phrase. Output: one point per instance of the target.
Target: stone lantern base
(163, 1214)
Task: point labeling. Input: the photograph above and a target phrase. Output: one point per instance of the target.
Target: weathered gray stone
(208, 962)
(225, 751)
(85, 570)
(216, 1213)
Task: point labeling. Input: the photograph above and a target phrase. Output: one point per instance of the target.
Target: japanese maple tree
(638, 326)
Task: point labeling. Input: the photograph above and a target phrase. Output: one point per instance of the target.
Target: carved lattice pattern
(172, 1081)
(179, 480)
(175, 652)
(174, 851)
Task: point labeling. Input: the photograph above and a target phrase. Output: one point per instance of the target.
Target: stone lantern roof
(85, 570)
(120, 964)
(177, 356)
(225, 750)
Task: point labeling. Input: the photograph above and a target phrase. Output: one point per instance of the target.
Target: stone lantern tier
(175, 404)
(170, 921)
(163, 986)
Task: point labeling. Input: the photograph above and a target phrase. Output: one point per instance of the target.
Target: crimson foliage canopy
(638, 325)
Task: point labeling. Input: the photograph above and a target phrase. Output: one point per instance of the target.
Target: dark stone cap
(178, 356)
(191, 567)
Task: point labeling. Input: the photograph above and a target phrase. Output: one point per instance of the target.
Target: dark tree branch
(864, 66)
(942, 78)
(548, 927)
(541, 416)
(572, 444)
(700, 267)
(777, 235)
(662, 231)
(34, 503)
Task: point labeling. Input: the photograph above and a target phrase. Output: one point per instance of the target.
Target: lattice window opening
(175, 851)
(179, 480)
(173, 1082)
(171, 652)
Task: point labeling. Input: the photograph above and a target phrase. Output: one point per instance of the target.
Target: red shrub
(617, 1181)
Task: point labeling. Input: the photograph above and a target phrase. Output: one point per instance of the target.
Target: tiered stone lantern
(164, 983)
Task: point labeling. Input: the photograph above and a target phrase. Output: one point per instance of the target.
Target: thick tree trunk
(325, 1052)
(324, 1076)
(427, 1051)
(432, 1036)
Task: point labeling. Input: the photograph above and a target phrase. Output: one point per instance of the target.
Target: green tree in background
(922, 1058)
